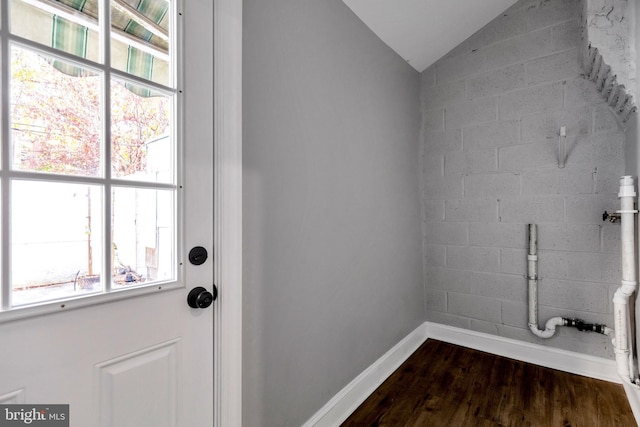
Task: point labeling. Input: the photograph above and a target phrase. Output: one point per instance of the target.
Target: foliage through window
(89, 152)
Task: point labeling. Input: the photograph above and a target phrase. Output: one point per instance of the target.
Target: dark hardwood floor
(446, 385)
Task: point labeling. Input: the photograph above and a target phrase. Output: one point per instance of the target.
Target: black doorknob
(199, 297)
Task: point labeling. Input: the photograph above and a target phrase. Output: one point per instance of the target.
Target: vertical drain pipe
(623, 339)
(532, 278)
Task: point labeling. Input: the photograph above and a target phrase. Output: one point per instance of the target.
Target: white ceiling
(423, 31)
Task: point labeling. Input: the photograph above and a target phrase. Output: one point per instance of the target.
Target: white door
(145, 361)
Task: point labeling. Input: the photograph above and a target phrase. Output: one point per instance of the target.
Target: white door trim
(227, 87)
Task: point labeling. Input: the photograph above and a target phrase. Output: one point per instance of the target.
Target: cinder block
(461, 163)
(513, 261)
(504, 26)
(434, 255)
(432, 164)
(610, 234)
(433, 210)
(515, 313)
(491, 135)
(580, 91)
(559, 66)
(526, 210)
(566, 35)
(569, 237)
(446, 233)
(433, 120)
(537, 99)
(442, 188)
(436, 300)
(474, 258)
(471, 112)
(527, 156)
(537, 127)
(496, 81)
(442, 95)
(603, 119)
(447, 319)
(492, 185)
(442, 141)
(460, 66)
(558, 181)
(472, 209)
(493, 285)
(586, 266)
(473, 306)
(596, 150)
(497, 234)
(547, 13)
(589, 208)
(518, 49)
(591, 297)
(608, 179)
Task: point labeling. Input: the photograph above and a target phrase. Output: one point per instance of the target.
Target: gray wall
(492, 110)
(332, 264)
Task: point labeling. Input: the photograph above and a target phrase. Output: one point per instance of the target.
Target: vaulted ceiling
(422, 31)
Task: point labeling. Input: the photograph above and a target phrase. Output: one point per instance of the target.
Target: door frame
(227, 119)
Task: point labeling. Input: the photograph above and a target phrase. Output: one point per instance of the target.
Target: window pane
(55, 116)
(143, 236)
(141, 145)
(56, 240)
(140, 39)
(67, 25)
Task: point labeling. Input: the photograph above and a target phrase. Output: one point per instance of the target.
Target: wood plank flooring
(446, 385)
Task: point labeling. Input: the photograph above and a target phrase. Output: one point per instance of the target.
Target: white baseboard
(633, 396)
(549, 357)
(338, 409)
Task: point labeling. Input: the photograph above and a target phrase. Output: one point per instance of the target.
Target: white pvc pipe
(532, 277)
(623, 340)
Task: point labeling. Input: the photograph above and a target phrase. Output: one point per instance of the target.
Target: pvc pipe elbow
(549, 327)
(622, 295)
(628, 287)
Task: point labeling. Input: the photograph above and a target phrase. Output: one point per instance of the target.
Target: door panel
(148, 360)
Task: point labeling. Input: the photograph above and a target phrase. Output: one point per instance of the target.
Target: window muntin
(89, 176)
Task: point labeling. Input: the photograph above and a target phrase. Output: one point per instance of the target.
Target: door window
(89, 151)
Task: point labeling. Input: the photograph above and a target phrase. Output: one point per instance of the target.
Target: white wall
(332, 247)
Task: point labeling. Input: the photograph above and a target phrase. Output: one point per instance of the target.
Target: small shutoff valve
(612, 217)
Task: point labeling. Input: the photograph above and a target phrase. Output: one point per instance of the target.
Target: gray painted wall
(332, 245)
(492, 110)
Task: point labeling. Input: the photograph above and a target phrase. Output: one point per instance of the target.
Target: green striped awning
(72, 38)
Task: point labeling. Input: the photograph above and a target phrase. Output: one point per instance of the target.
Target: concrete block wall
(491, 114)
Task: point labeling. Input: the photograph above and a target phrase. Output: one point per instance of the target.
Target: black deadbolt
(198, 255)
(199, 297)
